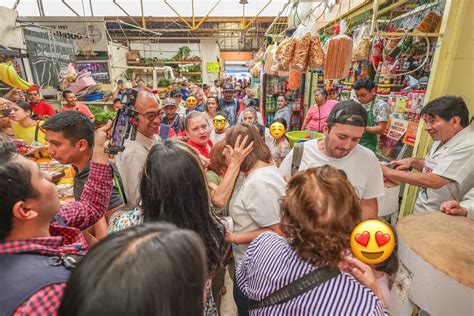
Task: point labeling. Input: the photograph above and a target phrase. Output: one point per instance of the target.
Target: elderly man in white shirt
(130, 162)
(447, 172)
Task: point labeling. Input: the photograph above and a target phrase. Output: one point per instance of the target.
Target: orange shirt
(80, 108)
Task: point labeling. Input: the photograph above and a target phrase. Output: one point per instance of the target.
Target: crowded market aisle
(315, 164)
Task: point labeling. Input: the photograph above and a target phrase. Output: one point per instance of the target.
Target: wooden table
(436, 272)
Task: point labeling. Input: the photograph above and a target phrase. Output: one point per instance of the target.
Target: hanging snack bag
(269, 60)
(430, 22)
(339, 57)
(288, 53)
(294, 79)
(316, 56)
(301, 52)
(278, 56)
(361, 43)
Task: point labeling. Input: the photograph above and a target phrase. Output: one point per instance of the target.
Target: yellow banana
(4, 75)
(24, 83)
(15, 79)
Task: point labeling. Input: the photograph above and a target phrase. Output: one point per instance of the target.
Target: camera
(125, 123)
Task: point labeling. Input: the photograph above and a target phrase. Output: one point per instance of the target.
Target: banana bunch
(10, 77)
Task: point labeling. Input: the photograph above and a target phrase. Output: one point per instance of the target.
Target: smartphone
(119, 132)
(124, 123)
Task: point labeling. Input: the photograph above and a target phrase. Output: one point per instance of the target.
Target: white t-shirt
(255, 204)
(215, 138)
(453, 161)
(361, 166)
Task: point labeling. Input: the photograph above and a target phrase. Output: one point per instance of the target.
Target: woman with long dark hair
(173, 188)
(151, 269)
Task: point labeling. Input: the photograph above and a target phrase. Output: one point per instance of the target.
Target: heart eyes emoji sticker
(363, 238)
(372, 241)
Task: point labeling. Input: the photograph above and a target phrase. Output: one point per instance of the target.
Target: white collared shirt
(453, 161)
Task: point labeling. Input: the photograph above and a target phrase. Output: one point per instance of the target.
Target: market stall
(394, 43)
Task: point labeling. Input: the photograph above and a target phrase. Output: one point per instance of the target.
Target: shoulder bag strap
(298, 149)
(296, 288)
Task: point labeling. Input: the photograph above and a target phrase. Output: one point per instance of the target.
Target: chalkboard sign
(49, 54)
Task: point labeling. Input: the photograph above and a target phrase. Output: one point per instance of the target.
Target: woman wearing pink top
(318, 113)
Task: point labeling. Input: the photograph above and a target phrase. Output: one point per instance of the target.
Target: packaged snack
(316, 56)
(339, 57)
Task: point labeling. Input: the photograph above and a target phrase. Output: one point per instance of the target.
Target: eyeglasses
(151, 116)
(219, 121)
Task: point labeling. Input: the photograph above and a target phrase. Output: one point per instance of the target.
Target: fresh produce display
(164, 83)
(10, 77)
(196, 79)
(100, 115)
(183, 53)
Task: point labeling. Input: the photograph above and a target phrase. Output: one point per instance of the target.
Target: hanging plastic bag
(294, 78)
(301, 52)
(316, 56)
(269, 60)
(339, 56)
(288, 53)
(361, 43)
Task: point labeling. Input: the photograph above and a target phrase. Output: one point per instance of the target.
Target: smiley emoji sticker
(219, 122)
(277, 130)
(372, 241)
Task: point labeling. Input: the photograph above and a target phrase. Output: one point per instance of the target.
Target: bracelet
(235, 239)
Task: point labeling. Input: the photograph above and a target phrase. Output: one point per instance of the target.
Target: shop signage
(410, 135)
(397, 128)
(213, 67)
(49, 54)
(88, 36)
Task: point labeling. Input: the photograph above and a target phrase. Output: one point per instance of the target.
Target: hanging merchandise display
(339, 56)
(361, 43)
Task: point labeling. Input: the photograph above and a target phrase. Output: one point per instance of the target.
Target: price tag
(213, 67)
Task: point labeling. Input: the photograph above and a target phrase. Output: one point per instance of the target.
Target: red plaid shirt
(77, 215)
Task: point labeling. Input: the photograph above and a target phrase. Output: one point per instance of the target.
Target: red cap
(34, 88)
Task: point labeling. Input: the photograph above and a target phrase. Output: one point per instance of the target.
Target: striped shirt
(270, 264)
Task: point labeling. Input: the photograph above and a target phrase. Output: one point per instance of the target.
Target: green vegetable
(164, 83)
(103, 117)
(100, 115)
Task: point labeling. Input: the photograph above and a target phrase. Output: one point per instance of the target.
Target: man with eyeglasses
(39, 107)
(131, 161)
(341, 149)
(447, 172)
(377, 112)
